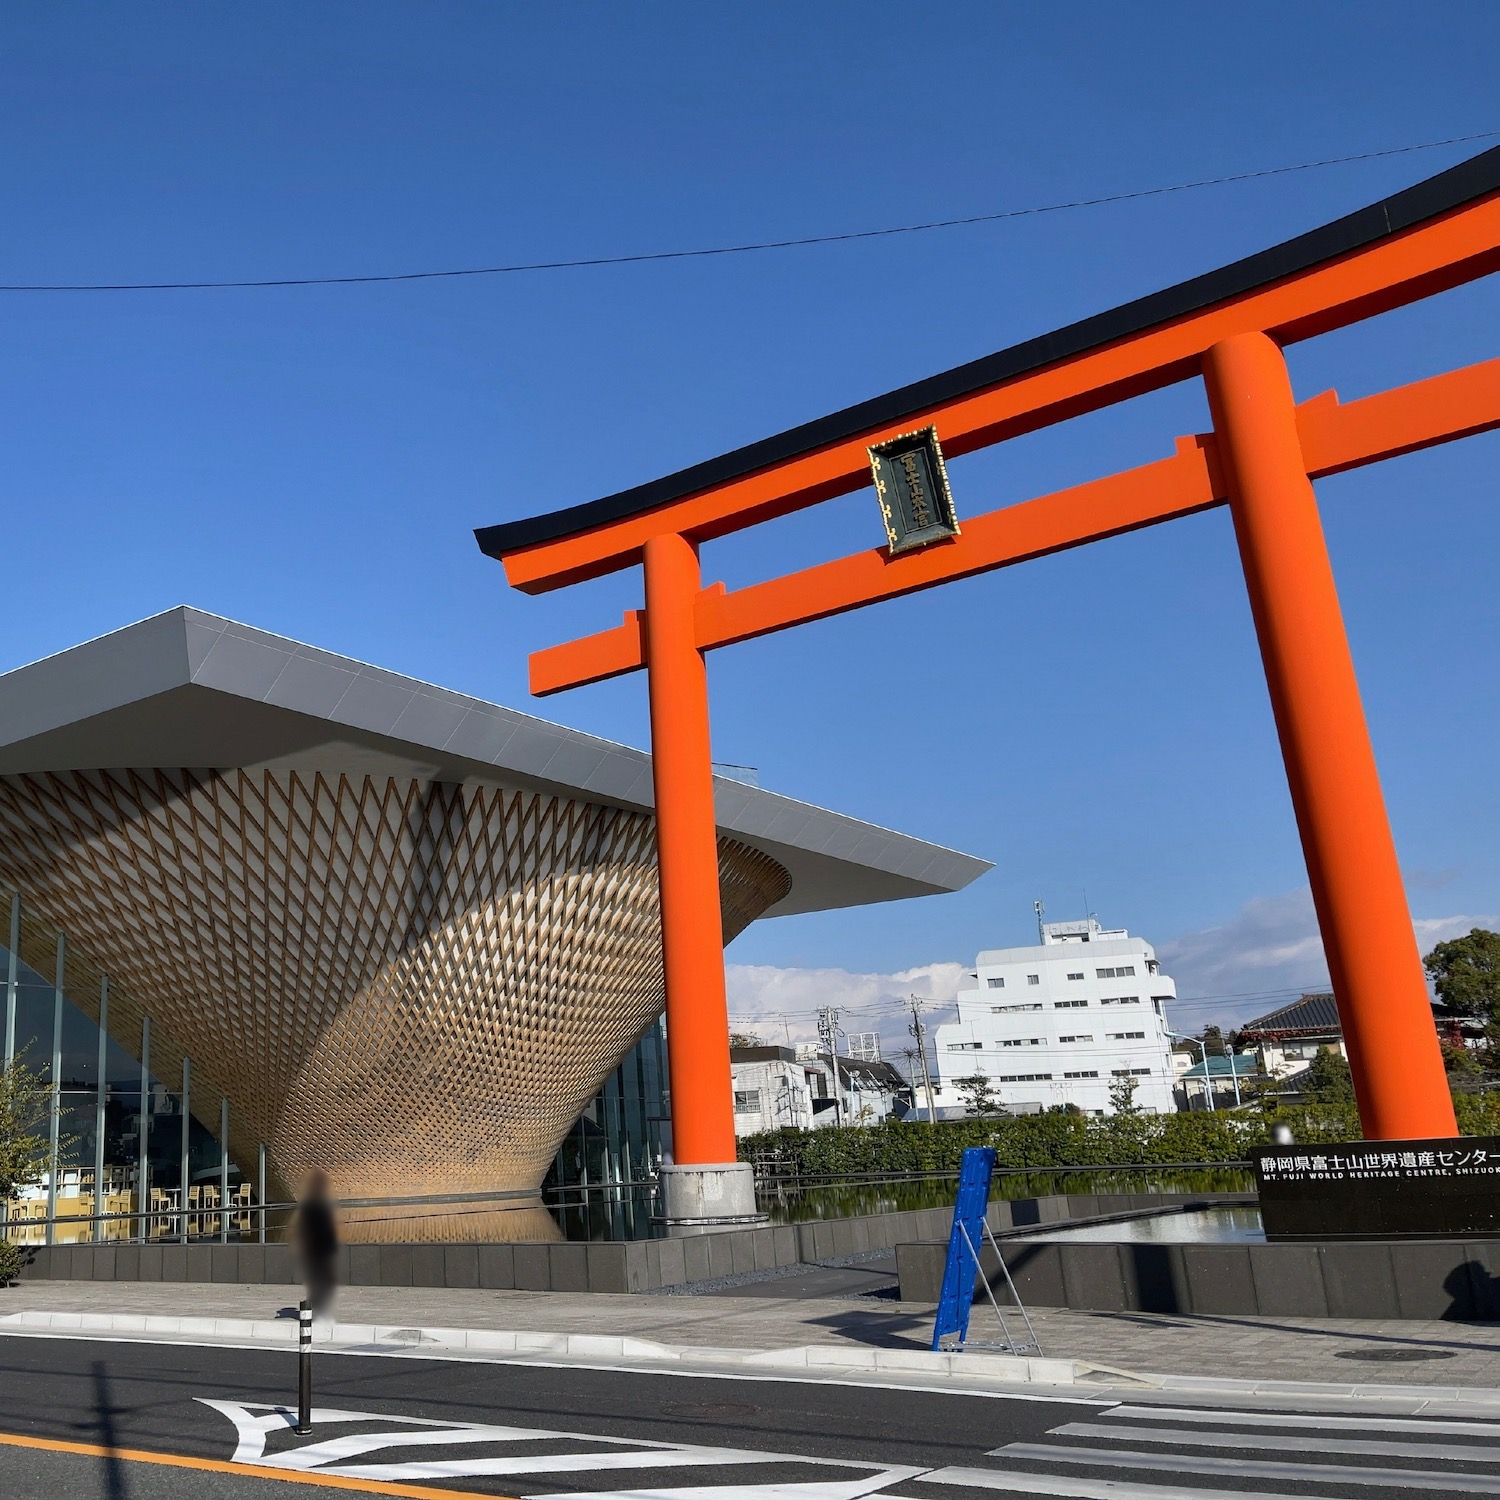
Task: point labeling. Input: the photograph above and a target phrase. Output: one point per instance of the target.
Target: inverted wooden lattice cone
(415, 986)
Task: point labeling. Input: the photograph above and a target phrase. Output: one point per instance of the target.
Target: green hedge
(1064, 1140)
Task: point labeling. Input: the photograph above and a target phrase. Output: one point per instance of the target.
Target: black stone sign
(1380, 1189)
(913, 488)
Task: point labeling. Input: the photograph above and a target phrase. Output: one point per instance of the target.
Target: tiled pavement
(1391, 1353)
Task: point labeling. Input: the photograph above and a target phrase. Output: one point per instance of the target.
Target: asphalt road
(401, 1425)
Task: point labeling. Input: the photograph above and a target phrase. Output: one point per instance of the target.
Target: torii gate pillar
(705, 1187)
(1330, 765)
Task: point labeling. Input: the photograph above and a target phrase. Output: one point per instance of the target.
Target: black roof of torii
(1471, 179)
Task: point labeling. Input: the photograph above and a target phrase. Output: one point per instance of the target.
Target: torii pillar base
(699, 1199)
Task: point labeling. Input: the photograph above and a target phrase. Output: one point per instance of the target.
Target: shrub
(1058, 1139)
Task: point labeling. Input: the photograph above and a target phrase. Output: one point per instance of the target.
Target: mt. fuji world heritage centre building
(271, 910)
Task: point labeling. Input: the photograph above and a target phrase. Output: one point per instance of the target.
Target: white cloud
(1432, 930)
(780, 1005)
(1264, 956)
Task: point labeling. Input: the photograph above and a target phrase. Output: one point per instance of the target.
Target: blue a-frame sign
(975, 1171)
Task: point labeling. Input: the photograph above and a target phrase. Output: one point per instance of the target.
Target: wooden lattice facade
(415, 985)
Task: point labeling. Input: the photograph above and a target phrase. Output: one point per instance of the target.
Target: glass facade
(122, 1148)
(602, 1183)
(131, 1162)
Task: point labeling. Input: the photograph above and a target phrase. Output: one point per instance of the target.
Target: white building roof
(194, 690)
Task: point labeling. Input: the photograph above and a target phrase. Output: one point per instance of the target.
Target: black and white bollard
(304, 1367)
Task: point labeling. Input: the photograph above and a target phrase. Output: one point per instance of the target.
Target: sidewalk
(1346, 1353)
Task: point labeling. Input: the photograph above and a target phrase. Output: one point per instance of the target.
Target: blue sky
(312, 460)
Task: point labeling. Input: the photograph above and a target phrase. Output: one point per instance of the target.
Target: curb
(808, 1360)
(391, 1339)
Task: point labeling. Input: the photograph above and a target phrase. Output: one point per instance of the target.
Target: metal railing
(259, 1219)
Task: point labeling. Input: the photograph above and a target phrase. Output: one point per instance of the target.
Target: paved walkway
(1342, 1351)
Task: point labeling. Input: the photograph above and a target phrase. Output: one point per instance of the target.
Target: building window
(746, 1101)
(1070, 1005)
(1123, 971)
(1081, 1037)
(1122, 1000)
(1075, 976)
(1025, 1078)
(1152, 967)
(1023, 1041)
(963, 1046)
(1132, 1072)
(995, 984)
(1090, 1073)
(1005, 1010)
(1033, 979)
(1127, 1036)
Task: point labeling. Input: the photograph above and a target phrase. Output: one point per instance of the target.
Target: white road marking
(1188, 1437)
(1250, 1468)
(835, 1489)
(565, 1463)
(356, 1454)
(1083, 1489)
(255, 1421)
(1301, 1419)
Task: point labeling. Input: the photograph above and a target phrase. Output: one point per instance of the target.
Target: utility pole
(828, 1034)
(1208, 1083)
(918, 1029)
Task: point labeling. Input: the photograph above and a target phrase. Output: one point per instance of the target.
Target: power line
(752, 247)
(892, 1005)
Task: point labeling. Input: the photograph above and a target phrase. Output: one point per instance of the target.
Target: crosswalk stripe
(255, 1422)
(564, 1463)
(1293, 1442)
(1252, 1468)
(1063, 1484)
(1295, 1419)
(826, 1489)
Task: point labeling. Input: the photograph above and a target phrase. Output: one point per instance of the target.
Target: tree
(1327, 1078)
(1213, 1042)
(1122, 1094)
(1465, 972)
(1459, 1059)
(978, 1094)
(25, 1103)
(745, 1039)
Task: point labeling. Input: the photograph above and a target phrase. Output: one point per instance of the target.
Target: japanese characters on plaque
(1341, 1165)
(916, 503)
(1380, 1189)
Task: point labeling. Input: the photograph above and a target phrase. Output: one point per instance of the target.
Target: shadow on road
(115, 1485)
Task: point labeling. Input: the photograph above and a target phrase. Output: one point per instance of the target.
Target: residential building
(775, 1090)
(1288, 1038)
(1217, 1082)
(782, 1087)
(873, 1090)
(1058, 1022)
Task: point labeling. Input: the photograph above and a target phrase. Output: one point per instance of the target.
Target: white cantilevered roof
(190, 689)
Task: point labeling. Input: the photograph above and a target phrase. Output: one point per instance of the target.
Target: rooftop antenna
(1040, 911)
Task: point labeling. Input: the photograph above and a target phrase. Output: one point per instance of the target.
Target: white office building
(1057, 1023)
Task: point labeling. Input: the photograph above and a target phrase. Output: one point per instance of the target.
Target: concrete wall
(637, 1266)
(1343, 1279)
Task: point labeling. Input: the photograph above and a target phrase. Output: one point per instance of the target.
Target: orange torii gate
(1227, 328)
